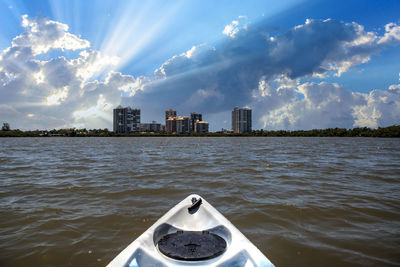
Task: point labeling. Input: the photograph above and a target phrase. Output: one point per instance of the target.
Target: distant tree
(6, 127)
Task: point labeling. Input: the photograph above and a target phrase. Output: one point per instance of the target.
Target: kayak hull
(144, 250)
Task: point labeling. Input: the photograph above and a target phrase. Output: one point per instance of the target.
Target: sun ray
(14, 8)
(57, 11)
(126, 26)
(17, 64)
(131, 33)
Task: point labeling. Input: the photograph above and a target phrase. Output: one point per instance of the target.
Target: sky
(297, 64)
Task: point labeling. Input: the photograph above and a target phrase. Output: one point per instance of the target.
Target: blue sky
(338, 69)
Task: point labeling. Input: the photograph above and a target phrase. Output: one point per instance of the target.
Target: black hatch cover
(192, 245)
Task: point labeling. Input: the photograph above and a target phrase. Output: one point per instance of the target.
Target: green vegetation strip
(391, 131)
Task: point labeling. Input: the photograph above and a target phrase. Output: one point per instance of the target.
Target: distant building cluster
(184, 124)
(127, 120)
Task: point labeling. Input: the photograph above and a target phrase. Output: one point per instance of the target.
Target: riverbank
(391, 131)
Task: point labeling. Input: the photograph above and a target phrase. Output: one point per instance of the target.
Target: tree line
(391, 131)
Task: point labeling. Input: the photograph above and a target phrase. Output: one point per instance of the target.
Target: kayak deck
(193, 233)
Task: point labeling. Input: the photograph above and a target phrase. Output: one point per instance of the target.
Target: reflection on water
(302, 201)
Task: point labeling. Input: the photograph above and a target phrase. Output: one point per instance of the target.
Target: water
(301, 201)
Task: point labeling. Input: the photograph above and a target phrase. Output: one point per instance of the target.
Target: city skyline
(127, 120)
(297, 64)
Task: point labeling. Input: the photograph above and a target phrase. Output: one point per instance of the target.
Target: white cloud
(92, 62)
(42, 35)
(233, 29)
(249, 68)
(57, 97)
(323, 46)
(194, 59)
(57, 93)
(126, 83)
(39, 77)
(381, 108)
(392, 34)
(94, 115)
(329, 105)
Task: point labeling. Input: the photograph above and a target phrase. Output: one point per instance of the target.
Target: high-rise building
(193, 118)
(168, 114)
(241, 120)
(150, 127)
(182, 125)
(170, 125)
(126, 120)
(201, 127)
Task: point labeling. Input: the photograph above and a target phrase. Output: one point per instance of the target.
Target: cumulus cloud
(319, 46)
(325, 105)
(59, 92)
(235, 26)
(92, 62)
(319, 105)
(392, 34)
(42, 35)
(381, 107)
(249, 67)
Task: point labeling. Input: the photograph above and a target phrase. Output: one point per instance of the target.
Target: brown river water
(301, 201)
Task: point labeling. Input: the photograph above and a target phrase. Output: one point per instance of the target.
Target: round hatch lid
(192, 245)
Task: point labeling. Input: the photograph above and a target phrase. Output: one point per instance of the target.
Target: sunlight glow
(102, 110)
(15, 64)
(94, 63)
(131, 34)
(56, 98)
(39, 77)
(129, 26)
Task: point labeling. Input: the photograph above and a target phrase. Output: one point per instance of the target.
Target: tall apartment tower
(168, 114)
(150, 127)
(126, 120)
(170, 125)
(201, 127)
(241, 120)
(182, 125)
(170, 121)
(193, 118)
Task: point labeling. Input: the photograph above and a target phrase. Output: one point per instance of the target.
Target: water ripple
(312, 201)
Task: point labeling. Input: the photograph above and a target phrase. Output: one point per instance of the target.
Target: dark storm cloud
(228, 73)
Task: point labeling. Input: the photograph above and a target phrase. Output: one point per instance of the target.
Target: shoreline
(390, 132)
